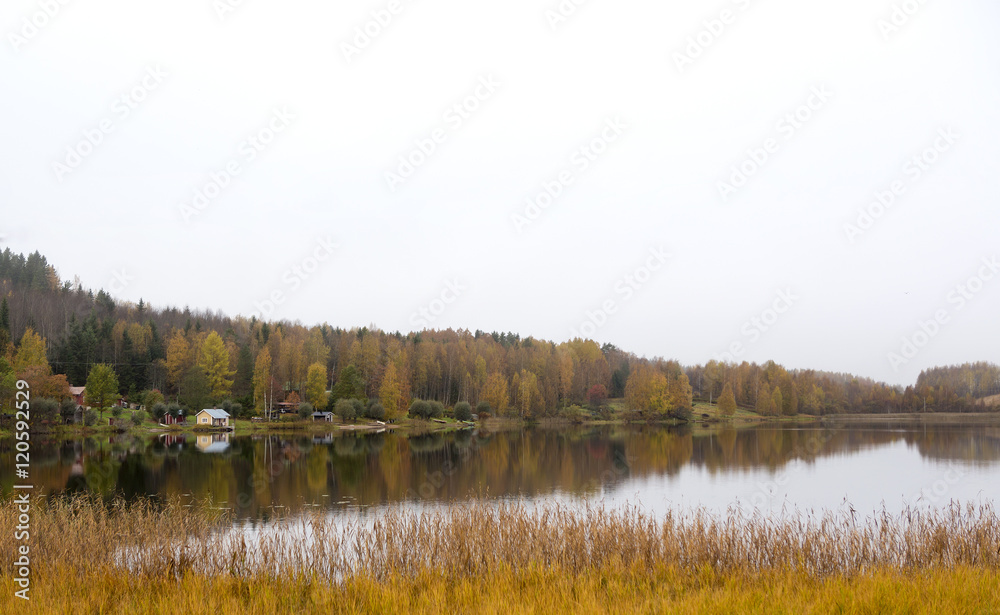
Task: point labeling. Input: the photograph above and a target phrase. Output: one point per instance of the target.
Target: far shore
(930, 418)
(705, 416)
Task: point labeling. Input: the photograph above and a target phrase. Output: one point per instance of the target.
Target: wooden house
(212, 417)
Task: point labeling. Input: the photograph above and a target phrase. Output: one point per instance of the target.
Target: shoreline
(701, 420)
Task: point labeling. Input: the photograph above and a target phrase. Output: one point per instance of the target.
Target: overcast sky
(655, 175)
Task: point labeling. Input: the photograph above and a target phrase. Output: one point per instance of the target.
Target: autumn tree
(597, 396)
(528, 399)
(31, 353)
(776, 401)
(495, 392)
(711, 376)
(790, 402)
(178, 359)
(479, 377)
(46, 384)
(389, 393)
(763, 405)
(214, 361)
(102, 387)
(727, 402)
(32, 365)
(648, 390)
(681, 395)
(263, 383)
(367, 361)
(316, 385)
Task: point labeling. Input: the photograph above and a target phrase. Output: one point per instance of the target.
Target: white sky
(656, 185)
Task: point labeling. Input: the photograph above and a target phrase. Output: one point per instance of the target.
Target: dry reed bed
(475, 538)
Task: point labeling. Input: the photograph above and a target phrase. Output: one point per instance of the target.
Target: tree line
(53, 333)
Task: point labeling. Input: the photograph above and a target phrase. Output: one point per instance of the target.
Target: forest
(54, 332)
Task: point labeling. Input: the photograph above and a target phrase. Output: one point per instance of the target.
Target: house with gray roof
(212, 417)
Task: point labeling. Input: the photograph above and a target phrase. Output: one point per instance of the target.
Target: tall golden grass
(85, 552)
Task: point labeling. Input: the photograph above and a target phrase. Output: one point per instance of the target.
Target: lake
(771, 467)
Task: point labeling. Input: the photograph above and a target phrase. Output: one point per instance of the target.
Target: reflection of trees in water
(375, 442)
(773, 447)
(349, 446)
(260, 472)
(463, 439)
(980, 445)
(426, 443)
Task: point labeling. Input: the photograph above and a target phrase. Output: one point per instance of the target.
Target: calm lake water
(769, 467)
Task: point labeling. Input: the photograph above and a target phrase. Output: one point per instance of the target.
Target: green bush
(420, 409)
(90, 417)
(159, 411)
(137, 418)
(483, 409)
(375, 411)
(574, 413)
(151, 398)
(463, 411)
(44, 409)
(67, 409)
(116, 411)
(345, 410)
(437, 410)
(174, 409)
(305, 410)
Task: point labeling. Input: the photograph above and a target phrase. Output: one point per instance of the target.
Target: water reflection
(213, 443)
(255, 474)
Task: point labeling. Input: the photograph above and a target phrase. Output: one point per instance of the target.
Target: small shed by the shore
(169, 419)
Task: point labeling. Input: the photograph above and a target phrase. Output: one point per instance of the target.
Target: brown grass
(87, 553)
